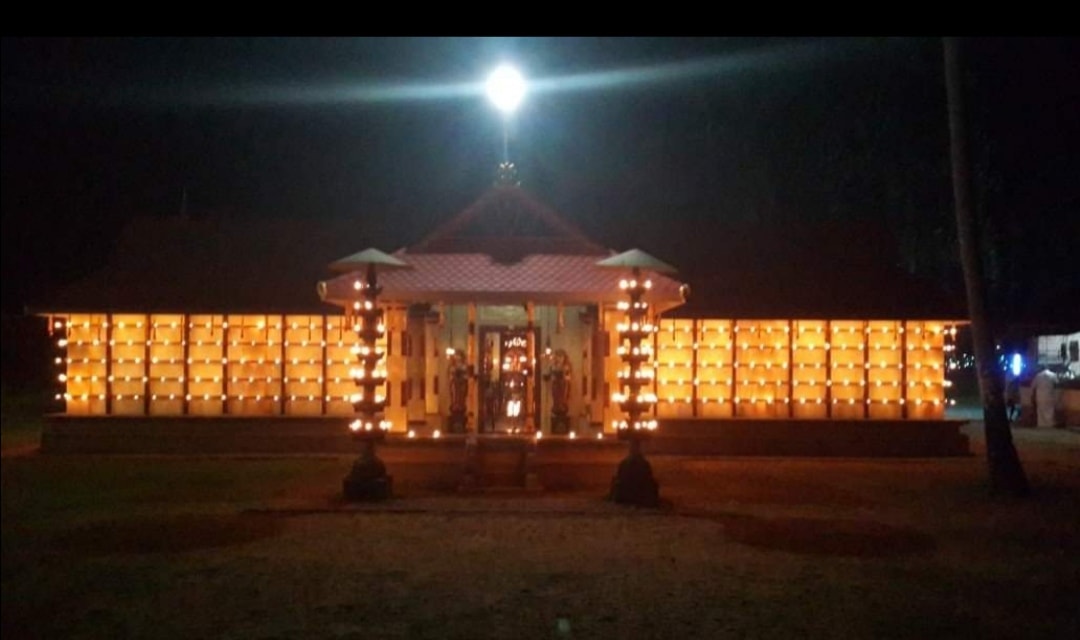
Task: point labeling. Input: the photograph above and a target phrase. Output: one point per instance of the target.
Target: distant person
(1044, 394)
(1012, 399)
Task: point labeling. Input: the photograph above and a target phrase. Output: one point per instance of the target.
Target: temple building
(501, 321)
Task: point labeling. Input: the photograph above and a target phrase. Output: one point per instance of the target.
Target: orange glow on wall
(846, 369)
(206, 364)
(273, 364)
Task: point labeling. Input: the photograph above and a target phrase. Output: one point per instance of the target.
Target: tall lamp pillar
(368, 479)
(634, 483)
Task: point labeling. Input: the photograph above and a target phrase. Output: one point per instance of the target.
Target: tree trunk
(1006, 474)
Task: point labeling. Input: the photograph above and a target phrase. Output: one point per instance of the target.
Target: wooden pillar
(108, 364)
(222, 361)
(472, 362)
(695, 336)
(531, 410)
(735, 362)
(146, 365)
(903, 372)
(865, 378)
(395, 319)
(828, 368)
(655, 321)
(185, 389)
(325, 333)
(791, 368)
(225, 362)
(431, 360)
(281, 368)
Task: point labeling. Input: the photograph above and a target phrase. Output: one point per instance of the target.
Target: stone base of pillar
(634, 483)
(367, 481)
(457, 422)
(368, 490)
(560, 424)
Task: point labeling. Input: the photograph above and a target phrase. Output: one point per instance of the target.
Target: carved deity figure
(459, 393)
(559, 376)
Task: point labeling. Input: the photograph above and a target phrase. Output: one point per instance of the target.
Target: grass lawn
(98, 546)
(21, 411)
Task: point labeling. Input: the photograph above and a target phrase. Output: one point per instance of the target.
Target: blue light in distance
(1016, 364)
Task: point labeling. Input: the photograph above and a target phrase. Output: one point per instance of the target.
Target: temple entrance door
(509, 394)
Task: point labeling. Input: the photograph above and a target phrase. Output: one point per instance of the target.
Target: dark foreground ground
(746, 548)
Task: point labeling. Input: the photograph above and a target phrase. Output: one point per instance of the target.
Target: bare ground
(749, 548)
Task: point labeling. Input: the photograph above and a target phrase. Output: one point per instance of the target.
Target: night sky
(641, 142)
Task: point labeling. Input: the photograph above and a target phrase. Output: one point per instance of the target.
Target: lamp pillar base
(634, 483)
(368, 490)
(367, 480)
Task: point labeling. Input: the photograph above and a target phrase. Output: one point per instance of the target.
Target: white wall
(1049, 350)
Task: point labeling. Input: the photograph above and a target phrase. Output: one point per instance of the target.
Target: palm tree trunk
(1006, 473)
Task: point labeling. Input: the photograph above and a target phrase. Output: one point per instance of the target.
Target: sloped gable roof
(510, 223)
(212, 265)
(811, 270)
(476, 277)
(216, 265)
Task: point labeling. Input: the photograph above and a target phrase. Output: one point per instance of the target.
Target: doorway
(509, 394)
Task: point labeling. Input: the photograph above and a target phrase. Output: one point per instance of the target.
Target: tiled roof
(508, 219)
(215, 265)
(212, 265)
(443, 277)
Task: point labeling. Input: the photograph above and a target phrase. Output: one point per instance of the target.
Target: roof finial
(506, 175)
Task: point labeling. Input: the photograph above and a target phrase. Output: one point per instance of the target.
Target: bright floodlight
(506, 88)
